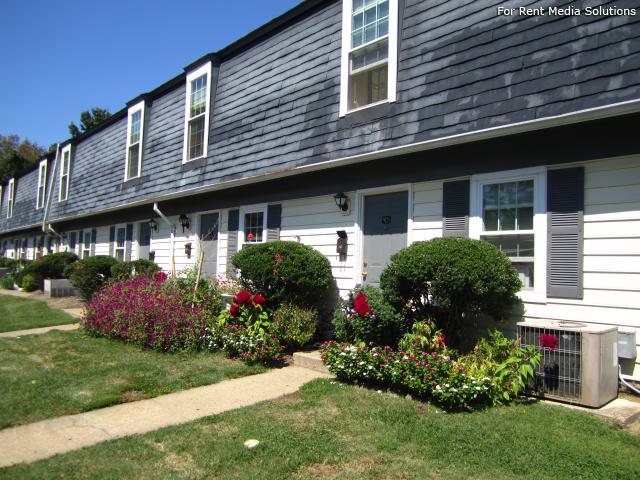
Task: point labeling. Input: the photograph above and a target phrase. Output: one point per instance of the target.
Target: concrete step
(310, 360)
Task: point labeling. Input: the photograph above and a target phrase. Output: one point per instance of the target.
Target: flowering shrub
(366, 317)
(294, 326)
(147, 311)
(424, 337)
(226, 285)
(237, 342)
(247, 310)
(428, 375)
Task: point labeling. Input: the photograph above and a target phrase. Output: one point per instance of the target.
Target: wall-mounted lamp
(153, 225)
(342, 201)
(187, 250)
(184, 222)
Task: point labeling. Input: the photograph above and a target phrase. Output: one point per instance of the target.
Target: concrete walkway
(38, 331)
(44, 439)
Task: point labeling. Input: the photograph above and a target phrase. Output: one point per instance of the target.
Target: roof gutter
(596, 113)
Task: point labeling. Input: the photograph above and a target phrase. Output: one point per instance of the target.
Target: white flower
(251, 443)
(438, 387)
(477, 388)
(446, 385)
(465, 387)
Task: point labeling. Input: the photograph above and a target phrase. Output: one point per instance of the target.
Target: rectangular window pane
(508, 206)
(120, 237)
(134, 157)
(198, 100)
(512, 245)
(370, 20)
(253, 225)
(196, 138)
(507, 199)
(65, 163)
(525, 205)
(120, 254)
(63, 185)
(369, 55)
(368, 87)
(135, 127)
(490, 206)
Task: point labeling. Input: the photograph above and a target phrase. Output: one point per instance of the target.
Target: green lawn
(20, 314)
(60, 373)
(338, 431)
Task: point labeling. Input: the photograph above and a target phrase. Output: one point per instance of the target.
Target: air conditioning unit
(579, 362)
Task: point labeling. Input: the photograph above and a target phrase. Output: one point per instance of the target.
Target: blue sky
(59, 57)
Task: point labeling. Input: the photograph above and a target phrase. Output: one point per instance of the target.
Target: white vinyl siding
(135, 137)
(65, 169)
(197, 108)
(42, 184)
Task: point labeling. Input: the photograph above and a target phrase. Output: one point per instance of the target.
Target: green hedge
(286, 272)
(89, 274)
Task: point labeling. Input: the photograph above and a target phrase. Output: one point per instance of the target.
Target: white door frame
(198, 233)
(359, 223)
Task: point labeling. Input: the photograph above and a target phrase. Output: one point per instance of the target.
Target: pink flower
(250, 236)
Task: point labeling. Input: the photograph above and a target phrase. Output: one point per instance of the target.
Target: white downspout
(53, 179)
(172, 228)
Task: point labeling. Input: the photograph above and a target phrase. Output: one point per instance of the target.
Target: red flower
(442, 340)
(549, 341)
(234, 310)
(361, 305)
(242, 297)
(161, 276)
(250, 236)
(259, 299)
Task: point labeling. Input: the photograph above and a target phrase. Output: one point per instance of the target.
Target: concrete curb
(40, 440)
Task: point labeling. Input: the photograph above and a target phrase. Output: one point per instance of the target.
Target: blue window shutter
(127, 243)
(232, 239)
(565, 213)
(455, 208)
(94, 235)
(274, 219)
(112, 238)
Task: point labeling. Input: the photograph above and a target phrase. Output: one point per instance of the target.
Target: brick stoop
(310, 360)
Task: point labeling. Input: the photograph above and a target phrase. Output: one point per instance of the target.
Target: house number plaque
(386, 220)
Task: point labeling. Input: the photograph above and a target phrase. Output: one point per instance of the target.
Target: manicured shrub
(286, 272)
(134, 268)
(146, 311)
(29, 283)
(9, 263)
(89, 274)
(50, 266)
(431, 376)
(456, 277)
(237, 342)
(7, 282)
(294, 326)
(367, 317)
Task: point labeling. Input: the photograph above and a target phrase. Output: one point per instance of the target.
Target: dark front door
(384, 232)
(144, 240)
(209, 241)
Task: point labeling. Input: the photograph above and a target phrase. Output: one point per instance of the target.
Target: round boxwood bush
(89, 274)
(456, 277)
(379, 324)
(50, 266)
(294, 326)
(285, 272)
(134, 268)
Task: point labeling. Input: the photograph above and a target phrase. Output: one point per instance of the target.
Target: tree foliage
(17, 157)
(88, 120)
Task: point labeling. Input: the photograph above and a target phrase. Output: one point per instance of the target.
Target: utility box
(627, 344)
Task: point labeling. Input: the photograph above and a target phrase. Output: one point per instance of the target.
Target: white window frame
(252, 209)
(476, 228)
(392, 58)
(42, 184)
(138, 107)
(1, 198)
(64, 195)
(122, 226)
(203, 70)
(82, 245)
(11, 195)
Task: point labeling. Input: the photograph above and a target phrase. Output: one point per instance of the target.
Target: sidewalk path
(39, 440)
(38, 331)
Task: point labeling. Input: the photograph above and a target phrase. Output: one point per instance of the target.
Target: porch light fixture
(342, 201)
(184, 222)
(153, 225)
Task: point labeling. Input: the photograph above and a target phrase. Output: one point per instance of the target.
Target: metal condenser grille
(559, 371)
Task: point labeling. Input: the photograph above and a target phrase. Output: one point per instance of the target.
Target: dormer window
(10, 196)
(196, 129)
(135, 134)
(65, 169)
(42, 184)
(369, 53)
